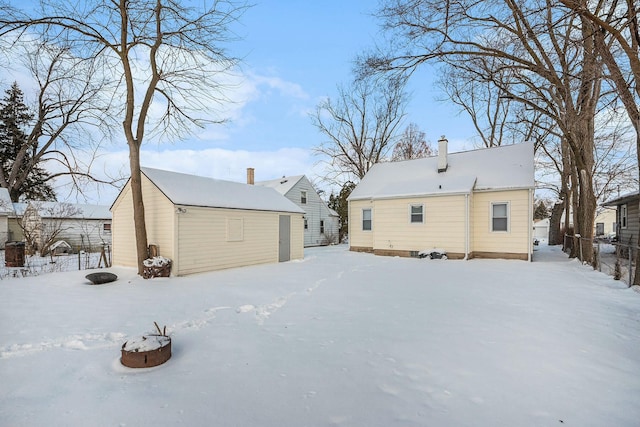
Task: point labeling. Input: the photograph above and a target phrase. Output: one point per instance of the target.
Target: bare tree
(412, 145)
(42, 223)
(360, 125)
(157, 50)
(59, 122)
(548, 56)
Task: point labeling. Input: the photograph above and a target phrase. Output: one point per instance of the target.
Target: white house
(321, 224)
(6, 210)
(82, 226)
(469, 204)
(204, 224)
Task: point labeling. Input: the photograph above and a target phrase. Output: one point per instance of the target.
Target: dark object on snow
(536, 242)
(156, 267)
(436, 255)
(141, 355)
(14, 254)
(101, 277)
(148, 350)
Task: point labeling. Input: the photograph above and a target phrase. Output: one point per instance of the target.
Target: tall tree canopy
(19, 173)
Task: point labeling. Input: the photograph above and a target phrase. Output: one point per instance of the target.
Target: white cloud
(230, 165)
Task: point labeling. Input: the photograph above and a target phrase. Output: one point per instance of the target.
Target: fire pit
(147, 351)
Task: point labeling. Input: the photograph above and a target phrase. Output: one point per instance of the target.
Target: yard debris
(433, 254)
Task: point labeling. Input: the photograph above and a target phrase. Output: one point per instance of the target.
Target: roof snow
(70, 210)
(281, 185)
(192, 190)
(498, 168)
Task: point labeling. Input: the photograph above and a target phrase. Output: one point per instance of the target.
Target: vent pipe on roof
(442, 154)
(250, 176)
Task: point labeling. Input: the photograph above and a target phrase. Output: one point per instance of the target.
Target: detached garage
(204, 224)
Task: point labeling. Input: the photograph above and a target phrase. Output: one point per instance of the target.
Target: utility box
(14, 254)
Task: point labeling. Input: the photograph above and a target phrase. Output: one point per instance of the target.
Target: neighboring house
(6, 210)
(541, 229)
(470, 204)
(627, 212)
(205, 224)
(16, 234)
(321, 224)
(81, 226)
(605, 223)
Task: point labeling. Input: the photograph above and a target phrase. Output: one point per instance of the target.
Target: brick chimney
(442, 154)
(250, 173)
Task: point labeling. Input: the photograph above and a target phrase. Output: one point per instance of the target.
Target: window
(623, 216)
(416, 214)
(500, 216)
(106, 228)
(306, 224)
(321, 226)
(303, 197)
(366, 219)
(599, 228)
(235, 230)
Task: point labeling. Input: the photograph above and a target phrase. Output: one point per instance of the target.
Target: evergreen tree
(541, 211)
(15, 146)
(340, 205)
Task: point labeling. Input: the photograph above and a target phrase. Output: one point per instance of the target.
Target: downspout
(466, 226)
(530, 227)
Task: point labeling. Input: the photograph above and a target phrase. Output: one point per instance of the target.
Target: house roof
(6, 206)
(192, 190)
(497, 168)
(70, 210)
(623, 199)
(281, 185)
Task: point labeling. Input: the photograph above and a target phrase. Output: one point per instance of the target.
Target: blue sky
(295, 54)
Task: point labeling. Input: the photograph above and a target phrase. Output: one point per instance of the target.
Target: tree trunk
(138, 206)
(555, 235)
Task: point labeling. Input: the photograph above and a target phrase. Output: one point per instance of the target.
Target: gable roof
(192, 190)
(498, 168)
(69, 210)
(625, 198)
(281, 185)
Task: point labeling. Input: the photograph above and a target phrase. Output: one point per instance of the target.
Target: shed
(470, 204)
(321, 224)
(204, 224)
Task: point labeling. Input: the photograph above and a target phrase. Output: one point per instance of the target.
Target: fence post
(598, 257)
(580, 245)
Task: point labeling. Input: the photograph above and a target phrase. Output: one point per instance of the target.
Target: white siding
(443, 226)
(514, 241)
(204, 244)
(315, 211)
(159, 217)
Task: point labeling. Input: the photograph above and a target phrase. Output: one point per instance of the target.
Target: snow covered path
(339, 338)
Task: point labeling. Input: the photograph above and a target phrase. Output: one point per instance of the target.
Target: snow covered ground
(337, 339)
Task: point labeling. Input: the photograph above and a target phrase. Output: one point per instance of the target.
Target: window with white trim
(306, 224)
(303, 197)
(366, 219)
(500, 216)
(623, 216)
(321, 226)
(416, 214)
